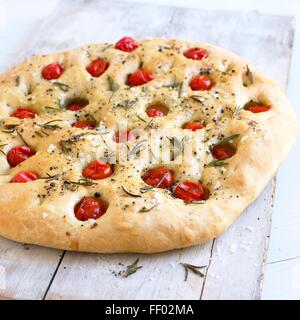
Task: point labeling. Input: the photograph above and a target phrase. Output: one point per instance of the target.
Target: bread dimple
(42, 211)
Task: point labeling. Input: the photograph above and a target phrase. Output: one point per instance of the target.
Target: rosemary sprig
(113, 86)
(127, 104)
(130, 269)
(9, 128)
(49, 177)
(249, 74)
(50, 126)
(198, 99)
(237, 110)
(190, 267)
(66, 145)
(22, 138)
(144, 209)
(217, 163)
(130, 193)
(1, 146)
(229, 138)
(81, 182)
(146, 189)
(106, 47)
(62, 86)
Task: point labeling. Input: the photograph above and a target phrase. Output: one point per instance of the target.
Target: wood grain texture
(235, 260)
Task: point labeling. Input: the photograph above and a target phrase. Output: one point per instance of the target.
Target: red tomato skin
(84, 124)
(22, 113)
(124, 136)
(126, 44)
(139, 78)
(89, 208)
(159, 177)
(19, 154)
(194, 125)
(189, 191)
(52, 71)
(223, 151)
(256, 108)
(97, 170)
(196, 53)
(75, 107)
(201, 82)
(153, 112)
(24, 176)
(97, 67)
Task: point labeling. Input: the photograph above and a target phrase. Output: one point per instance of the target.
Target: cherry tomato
(24, 176)
(189, 191)
(159, 177)
(201, 82)
(153, 112)
(223, 151)
(139, 78)
(257, 108)
(126, 44)
(23, 113)
(19, 154)
(97, 170)
(89, 208)
(52, 71)
(196, 53)
(84, 124)
(194, 125)
(97, 67)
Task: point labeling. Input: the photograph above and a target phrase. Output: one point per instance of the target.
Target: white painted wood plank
(25, 270)
(282, 280)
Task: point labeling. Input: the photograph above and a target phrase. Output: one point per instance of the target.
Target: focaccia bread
(72, 178)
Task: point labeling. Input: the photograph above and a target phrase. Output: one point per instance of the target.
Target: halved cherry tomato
(153, 112)
(84, 124)
(97, 170)
(19, 154)
(23, 113)
(159, 177)
(196, 53)
(189, 191)
(52, 71)
(24, 176)
(194, 125)
(75, 107)
(126, 44)
(223, 151)
(89, 208)
(257, 108)
(201, 82)
(124, 136)
(139, 78)
(97, 67)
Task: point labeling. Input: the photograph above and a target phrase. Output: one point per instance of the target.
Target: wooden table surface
(235, 261)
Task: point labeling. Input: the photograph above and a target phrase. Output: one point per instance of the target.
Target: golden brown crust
(36, 213)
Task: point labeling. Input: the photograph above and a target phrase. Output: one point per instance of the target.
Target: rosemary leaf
(81, 182)
(249, 74)
(130, 269)
(198, 99)
(130, 193)
(22, 138)
(144, 209)
(237, 110)
(138, 147)
(229, 138)
(190, 267)
(217, 163)
(62, 86)
(127, 104)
